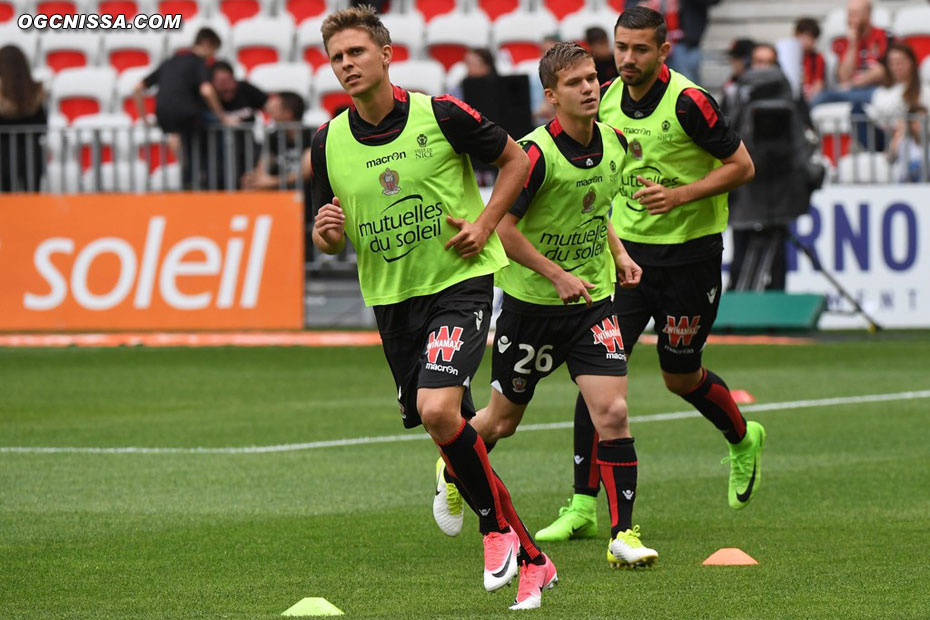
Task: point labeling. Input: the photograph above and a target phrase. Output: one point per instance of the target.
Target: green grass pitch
(839, 526)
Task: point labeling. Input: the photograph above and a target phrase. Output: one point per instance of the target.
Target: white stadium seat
(261, 40)
(126, 50)
(83, 91)
(282, 76)
(449, 36)
(519, 34)
(423, 76)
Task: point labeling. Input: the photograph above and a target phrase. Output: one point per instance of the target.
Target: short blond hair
(363, 17)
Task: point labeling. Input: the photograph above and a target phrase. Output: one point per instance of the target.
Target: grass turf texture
(839, 527)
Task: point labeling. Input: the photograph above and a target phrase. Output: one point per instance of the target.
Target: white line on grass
(355, 441)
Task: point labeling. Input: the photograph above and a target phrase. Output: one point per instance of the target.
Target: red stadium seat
(432, 8)
(237, 10)
(83, 91)
(67, 50)
(448, 37)
(496, 8)
(518, 34)
(186, 8)
(305, 9)
(261, 40)
(128, 8)
(561, 8)
(56, 7)
(310, 43)
(125, 50)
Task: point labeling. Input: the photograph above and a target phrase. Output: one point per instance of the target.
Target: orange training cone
(729, 556)
(742, 397)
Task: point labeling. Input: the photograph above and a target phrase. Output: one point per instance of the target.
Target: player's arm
(701, 119)
(628, 272)
(514, 167)
(570, 287)
(519, 249)
(470, 133)
(329, 224)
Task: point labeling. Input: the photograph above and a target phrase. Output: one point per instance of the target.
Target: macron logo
(578, 459)
(440, 342)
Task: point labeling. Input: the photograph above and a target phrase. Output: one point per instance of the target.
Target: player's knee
(503, 427)
(612, 415)
(436, 413)
(681, 384)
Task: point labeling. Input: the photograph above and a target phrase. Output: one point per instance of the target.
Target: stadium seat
(864, 168)
(128, 8)
(182, 40)
(310, 43)
(79, 92)
(262, 40)
(68, 49)
(833, 122)
(495, 9)
(448, 37)
(125, 92)
(102, 139)
(406, 35)
(422, 76)
(572, 28)
(151, 148)
(925, 70)
(188, 9)
(518, 34)
(912, 24)
(563, 8)
(166, 178)
(305, 9)
(429, 9)
(9, 10)
(57, 7)
(454, 76)
(25, 40)
(281, 76)
(315, 117)
(328, 92)
(125, 50)
(238, 10)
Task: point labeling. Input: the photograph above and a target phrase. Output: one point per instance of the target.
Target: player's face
(577, 92)
(358, 62)
(637, 55)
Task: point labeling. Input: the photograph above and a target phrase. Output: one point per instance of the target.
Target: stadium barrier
(156, 261)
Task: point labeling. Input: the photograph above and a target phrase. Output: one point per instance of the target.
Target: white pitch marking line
(356, 441)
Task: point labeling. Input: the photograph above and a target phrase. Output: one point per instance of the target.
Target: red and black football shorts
(533, 340)
(436, 341)
(683, 300)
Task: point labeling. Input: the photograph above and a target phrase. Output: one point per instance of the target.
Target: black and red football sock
(466, 456)
(529, 552)
(617, 460)
(712, 398)
(587, 472)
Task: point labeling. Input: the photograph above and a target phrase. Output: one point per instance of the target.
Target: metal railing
(93, 157)
(863, 151)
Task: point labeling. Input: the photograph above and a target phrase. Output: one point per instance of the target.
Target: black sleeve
(152, 78)
(467, 130)
(534, 180)
(702, 120)
(202, 72)
(321, 192)
(254, 97)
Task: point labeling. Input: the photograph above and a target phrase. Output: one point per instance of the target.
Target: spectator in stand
(813, 67)
(240, 100)
(906, 151)
(185, 100)
(740, 54)
(279, 166)
(603, 52)
(763, 55)
(901, 92)
(479, 62)
(860, 54)
(22, 104)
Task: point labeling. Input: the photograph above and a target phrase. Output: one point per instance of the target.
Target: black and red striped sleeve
(534, 180)
(321, 192)
(700, 117)
(467, 130)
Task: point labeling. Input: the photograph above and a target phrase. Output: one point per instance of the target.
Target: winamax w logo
(681, 329)
(608, 334)
(442, 342)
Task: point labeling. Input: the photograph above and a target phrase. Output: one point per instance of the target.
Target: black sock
(587, 473)
(712, 398)
(617, 460)
(469, 460)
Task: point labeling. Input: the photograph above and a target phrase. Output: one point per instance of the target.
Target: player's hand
(654, 197)
(628, 272)
(571, 288)
(228, 120)
(470, 239)
(330, 223)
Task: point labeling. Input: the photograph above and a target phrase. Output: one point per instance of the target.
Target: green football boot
(577, 520)
(745, 466)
